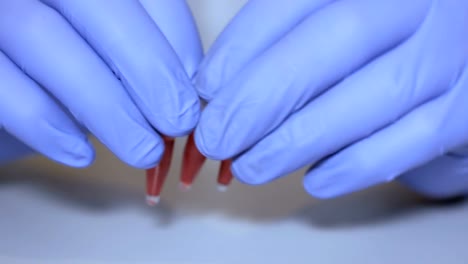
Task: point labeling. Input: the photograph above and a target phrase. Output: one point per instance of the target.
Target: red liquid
(155, 177)
(192, 162)
(225, 174)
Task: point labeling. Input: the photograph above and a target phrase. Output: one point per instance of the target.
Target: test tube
(155, 177)
(192, 162)
(225, 175)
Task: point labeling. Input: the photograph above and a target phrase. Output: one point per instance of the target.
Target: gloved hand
(442, 178)
(120, 70)
(363, 90)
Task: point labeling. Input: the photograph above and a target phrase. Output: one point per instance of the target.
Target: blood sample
(192, 162)
(225, 175)
(156, 176)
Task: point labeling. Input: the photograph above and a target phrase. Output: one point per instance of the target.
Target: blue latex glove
(364, 90)
(444, 177)
(120, 69)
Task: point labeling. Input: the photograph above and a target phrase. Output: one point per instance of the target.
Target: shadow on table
(283, 200)
(87, 193)
(376, 205)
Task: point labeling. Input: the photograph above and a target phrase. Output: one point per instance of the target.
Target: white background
(52, 214)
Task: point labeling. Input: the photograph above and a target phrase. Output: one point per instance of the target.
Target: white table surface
(53, 214)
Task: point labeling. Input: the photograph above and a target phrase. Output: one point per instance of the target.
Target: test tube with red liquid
(155, 177)
(192, 162)
(225, 175)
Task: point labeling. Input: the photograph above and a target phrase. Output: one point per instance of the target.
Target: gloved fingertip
(184, 122)
(146, 152)
(189, 118)
(201, 87)
(208, 144)
(191, 68)
(76, 153)
(207, 136)
(247, 174)
(317, 191)
(194, 77)
(200, 143)
(320, 182)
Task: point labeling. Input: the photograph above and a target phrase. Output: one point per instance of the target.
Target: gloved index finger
(245, 39)
(51, 52)
(307, 61)
(132, 45)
